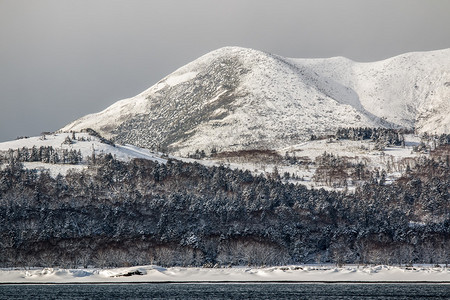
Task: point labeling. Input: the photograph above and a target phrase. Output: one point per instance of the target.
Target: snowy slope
(236, 98)
(87, 144)
(410, 90)
(393, 160)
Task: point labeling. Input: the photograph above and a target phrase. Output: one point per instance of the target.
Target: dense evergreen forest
(141, 212)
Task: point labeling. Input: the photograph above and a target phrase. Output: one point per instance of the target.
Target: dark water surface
(226, 291)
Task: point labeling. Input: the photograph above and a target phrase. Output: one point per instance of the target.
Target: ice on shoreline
(294, 273)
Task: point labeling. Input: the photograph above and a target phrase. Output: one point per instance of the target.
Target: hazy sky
(62, 59)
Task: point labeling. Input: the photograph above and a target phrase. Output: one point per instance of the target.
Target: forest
(117, 213)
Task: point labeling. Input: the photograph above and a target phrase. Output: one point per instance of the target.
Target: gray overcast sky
(62, 59)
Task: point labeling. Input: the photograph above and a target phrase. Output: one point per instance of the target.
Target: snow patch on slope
(111, 117)
(178, 79)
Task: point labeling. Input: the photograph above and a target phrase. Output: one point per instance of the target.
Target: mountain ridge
(236, 98)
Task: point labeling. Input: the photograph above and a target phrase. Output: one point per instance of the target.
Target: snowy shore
(298, 273)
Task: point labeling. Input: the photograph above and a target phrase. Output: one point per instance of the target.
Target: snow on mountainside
(85, 143)
(410, 90)
(236, 98)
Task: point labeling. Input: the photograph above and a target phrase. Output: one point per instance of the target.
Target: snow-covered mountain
(236, 98)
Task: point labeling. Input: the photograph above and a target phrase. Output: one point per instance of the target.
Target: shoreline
(294, 274)
(225, 282)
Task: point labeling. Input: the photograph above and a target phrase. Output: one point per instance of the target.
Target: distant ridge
(236, 98)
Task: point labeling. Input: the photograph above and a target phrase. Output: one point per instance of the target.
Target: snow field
(87, 144)
(355, 151)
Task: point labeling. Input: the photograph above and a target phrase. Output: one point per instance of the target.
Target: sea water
(225, 291)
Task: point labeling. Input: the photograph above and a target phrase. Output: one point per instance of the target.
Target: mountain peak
(234, 51)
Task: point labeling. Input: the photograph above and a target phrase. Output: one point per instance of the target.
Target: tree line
(45, 154)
